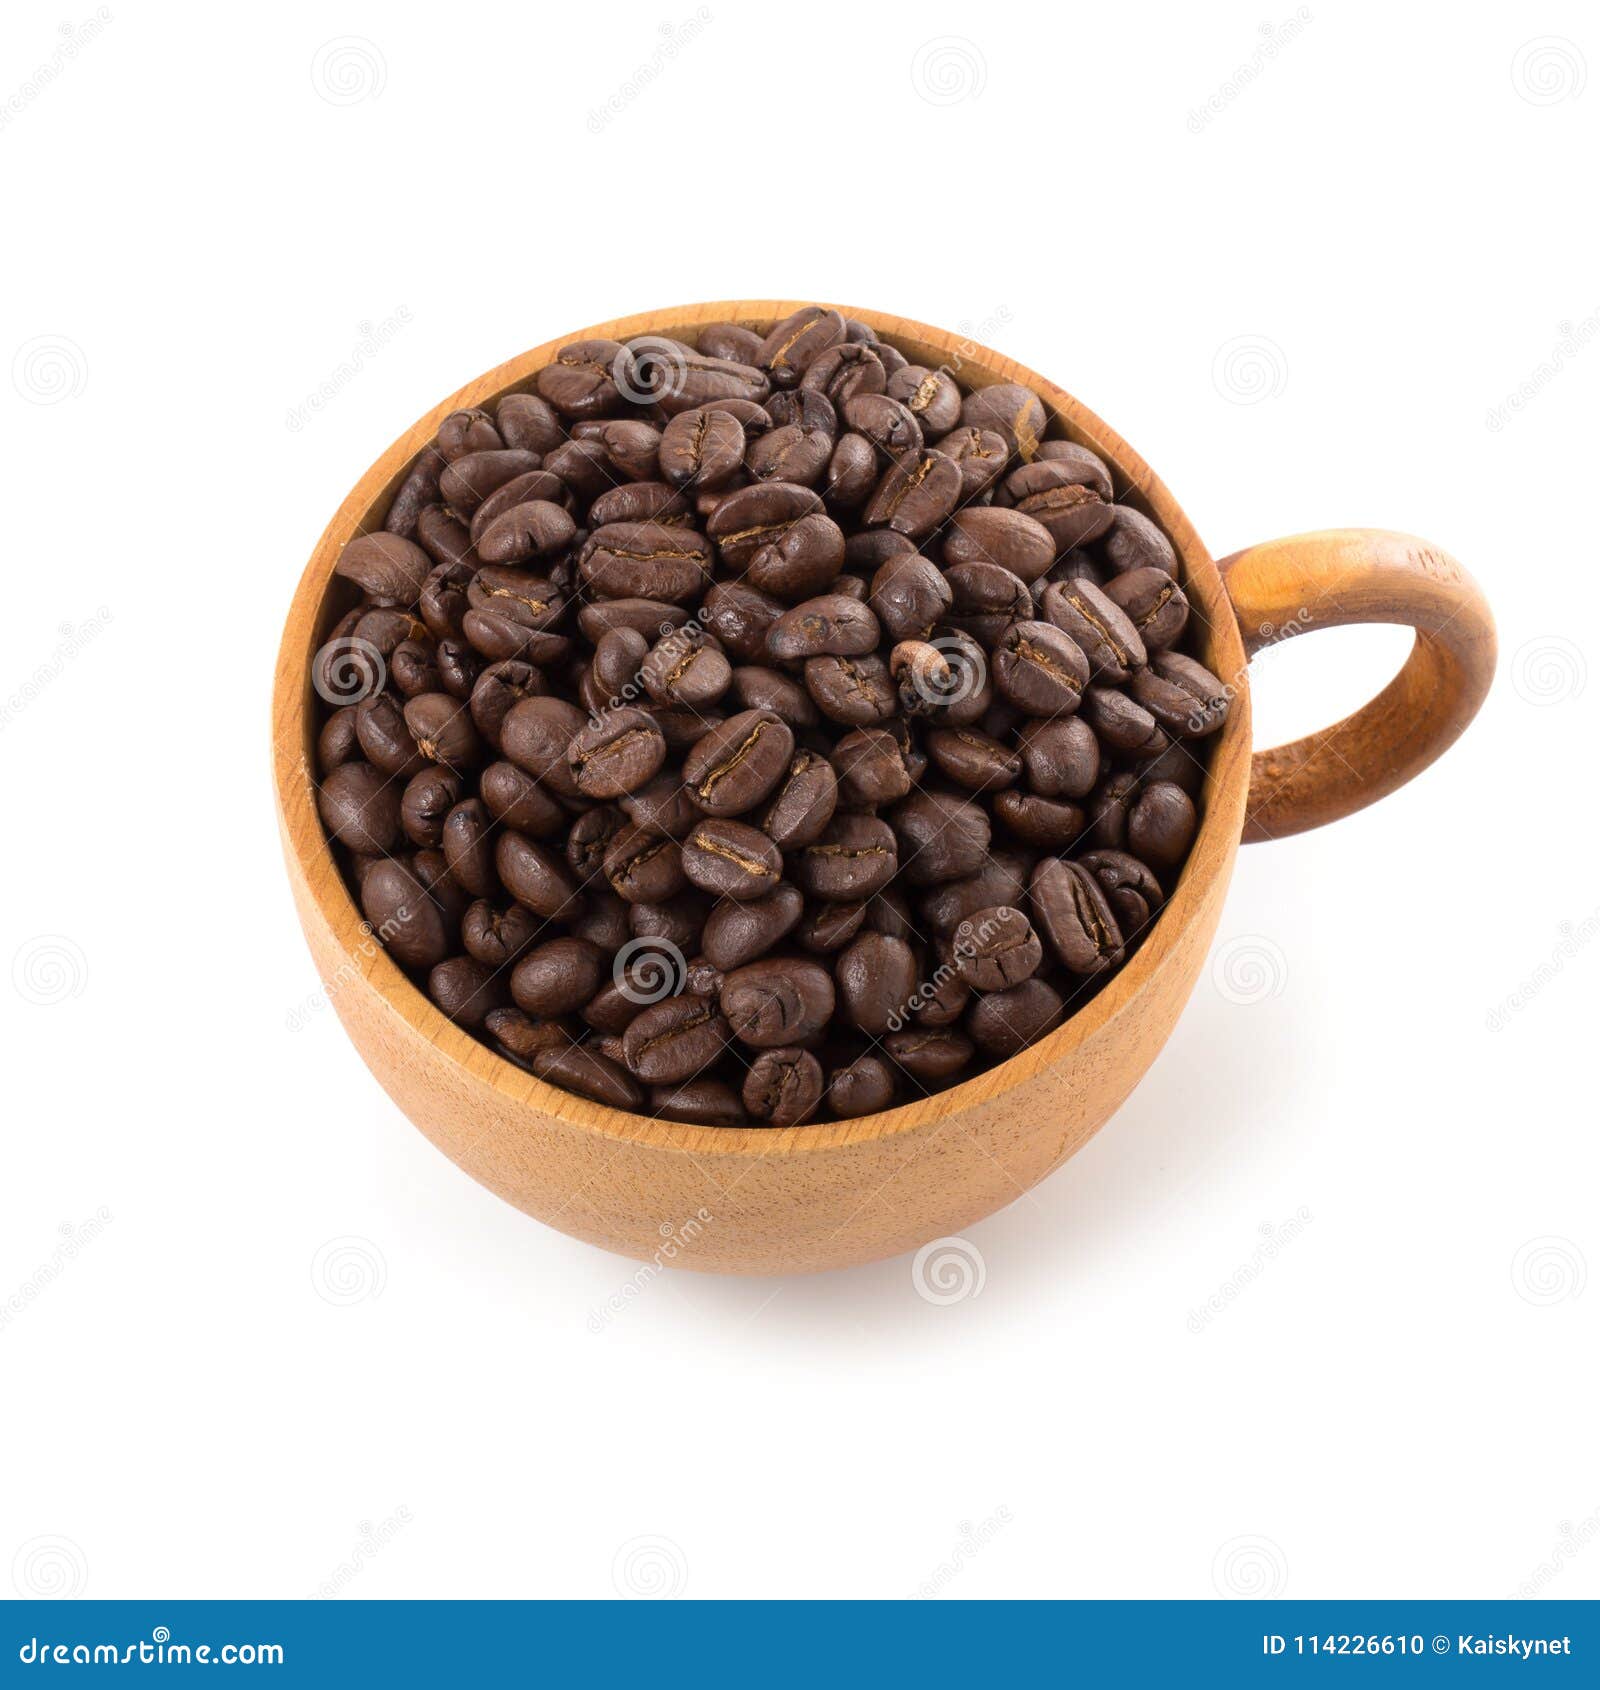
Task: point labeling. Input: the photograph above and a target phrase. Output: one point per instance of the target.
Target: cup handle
(1328, 580)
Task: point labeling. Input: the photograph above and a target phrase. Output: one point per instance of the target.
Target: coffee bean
(558, 977)
(403, 916)
(918, 492)
(930, 1056)
(360, 807)
(996, 948)
(742, 930)
(931, 396)
(803, 803)
(863, 1087)
(496, 935)
(940, 837)
(1162, 824)
(853, 857)
(1046, 823)
(644, 868)
(1011, 539)
(731, 769)
(428, 798)
(1040, 670)
(777, 1001)
(577, 1068)
(831, 625)
(1153, 602)
(730, 859)
(387, 568)
(1132, 890)
(702, 1103)
(1012, 411)
(783, 1087)
(674, 1040)
(617, 753)
(1134, 542)
(1099, 627)
(1002, 1023)
(535, 876)
(876, 978)
(1183, 696)
(1074, 915)
(1061, 756)
(974, 760)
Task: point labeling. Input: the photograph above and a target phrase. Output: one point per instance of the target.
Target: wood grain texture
(800, 1199)
(1329, 580)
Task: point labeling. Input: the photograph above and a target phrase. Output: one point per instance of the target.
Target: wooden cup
(762, 1201)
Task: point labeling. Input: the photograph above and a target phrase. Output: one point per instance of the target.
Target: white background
(1301, 292)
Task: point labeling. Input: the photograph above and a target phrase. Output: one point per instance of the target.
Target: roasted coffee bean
(854, 691)
(388, 569)
(428, 798)
(996, 948)
(644, 868)
(468, 848)
(1121, 722)
(742, 930)
(826, 928)
(407, 920)
(980, 454)
(730, 859)
(557, 977)
(617, 753)
(783, 1087)
(778, 1001)
(1002, 879)
(877, 977)
(1040, 670)
(702, 1103)
(1046, 823)
(831, 625)
(853, 857)
(515, 798)
(719, 648)
(930, 1056)
(496, 935)
(674, 1040)
(931, 396)
(917, 493)
(1073, 913)
(753, 687)
(587, 1072)
(1134, 542)
(386, 742)
(1012, 411)
(442, 727)
(1099, 627)
(662, 806)
(731, 769)
(1183, 696)
(909, 597)
(940, 837)
(974, 760)
(361, 808)
(534, 875)
(1162, 824)
(1009, 538)
(465, 990)
(1154, 603)
(1002, 1023)
(792, 346)
(1133, 891)
(862, 1088)
(803, 803)
(1061, 756)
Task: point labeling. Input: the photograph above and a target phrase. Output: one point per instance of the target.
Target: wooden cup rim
(1223, 805)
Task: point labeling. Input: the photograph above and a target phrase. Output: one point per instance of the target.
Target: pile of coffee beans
(764, 730)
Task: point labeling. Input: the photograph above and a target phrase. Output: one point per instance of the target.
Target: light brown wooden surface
(1328, 580)
(800, 1199)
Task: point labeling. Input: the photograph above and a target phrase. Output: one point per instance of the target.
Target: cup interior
(322, 598)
